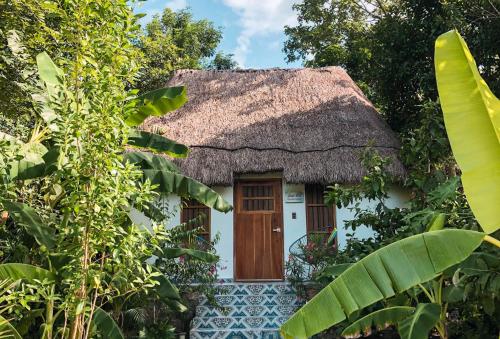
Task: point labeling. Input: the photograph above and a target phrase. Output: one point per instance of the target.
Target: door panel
(258, 230)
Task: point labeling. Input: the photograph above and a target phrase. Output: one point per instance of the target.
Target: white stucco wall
(293, 228)
(397, 198)
(222, 223)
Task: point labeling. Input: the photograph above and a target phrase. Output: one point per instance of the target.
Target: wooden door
(258, 230)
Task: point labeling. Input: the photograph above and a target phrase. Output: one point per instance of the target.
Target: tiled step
(237, 334)
(255, 288)
(237, 323)
(251, 300)
(248, 310)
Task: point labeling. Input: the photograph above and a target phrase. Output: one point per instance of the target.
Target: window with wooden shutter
(319, 216)
(192, 209)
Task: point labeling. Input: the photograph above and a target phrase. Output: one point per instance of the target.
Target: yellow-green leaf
(472, 118)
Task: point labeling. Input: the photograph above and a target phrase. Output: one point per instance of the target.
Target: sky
(252, 29)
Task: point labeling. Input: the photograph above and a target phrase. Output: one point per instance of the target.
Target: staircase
(251, 311)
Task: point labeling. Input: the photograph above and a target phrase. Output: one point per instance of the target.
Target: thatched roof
(312, 124)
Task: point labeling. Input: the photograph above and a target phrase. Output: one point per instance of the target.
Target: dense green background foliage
(387, 46)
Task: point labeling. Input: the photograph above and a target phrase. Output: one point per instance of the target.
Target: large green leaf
(472, 119)
(176, 252)
(27, 217)
(106, 326)
(164, 174)
(150, 161)
(7, 331)
(418, 325)
(169, 294)
(15, 271)
(165, 289)
(50, 74)
(380, 275)
(437, 222)
(157, 143)
(31, 165)
(157, 103)
(170, 182)
(380, 319)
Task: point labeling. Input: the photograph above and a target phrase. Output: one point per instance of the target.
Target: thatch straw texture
(312, 124)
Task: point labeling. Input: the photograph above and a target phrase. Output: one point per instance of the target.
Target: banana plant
(381, 275)
(472, 119)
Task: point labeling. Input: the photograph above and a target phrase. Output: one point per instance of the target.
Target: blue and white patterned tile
(251, 310)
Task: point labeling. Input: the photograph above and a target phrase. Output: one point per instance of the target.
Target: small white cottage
(269, 141)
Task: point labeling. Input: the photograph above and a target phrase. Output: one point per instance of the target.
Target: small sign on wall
(294, 194)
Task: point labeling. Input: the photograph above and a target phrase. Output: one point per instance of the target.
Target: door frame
(235, 213)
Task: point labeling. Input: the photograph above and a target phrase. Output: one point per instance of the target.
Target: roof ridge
(255, 70)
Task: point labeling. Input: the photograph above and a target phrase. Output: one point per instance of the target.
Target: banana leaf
(166, 176)
(7, 331)
(37, 162)
(48, 71)
(150, 161)
(53, 77)
(419, 324)
(437, 222)
(380, 319)
(32, 163)
(106, 325)
(157, 103)
(15, 271)
(472, 119)
(157, 143)
(170, 182)
(165, 289)
(27, 217)
(380, 275)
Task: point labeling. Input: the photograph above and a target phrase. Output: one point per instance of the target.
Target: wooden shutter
(192, 209)
(318, 215)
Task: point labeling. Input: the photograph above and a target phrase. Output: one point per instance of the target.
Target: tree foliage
(64, 177)
(174, 41)
(387, 46)
(222, 61)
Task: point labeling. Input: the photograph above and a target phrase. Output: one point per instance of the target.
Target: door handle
(277, 230)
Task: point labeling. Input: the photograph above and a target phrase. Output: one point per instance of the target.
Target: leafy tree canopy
(222, 61)
(174, 41)
(387, 46)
